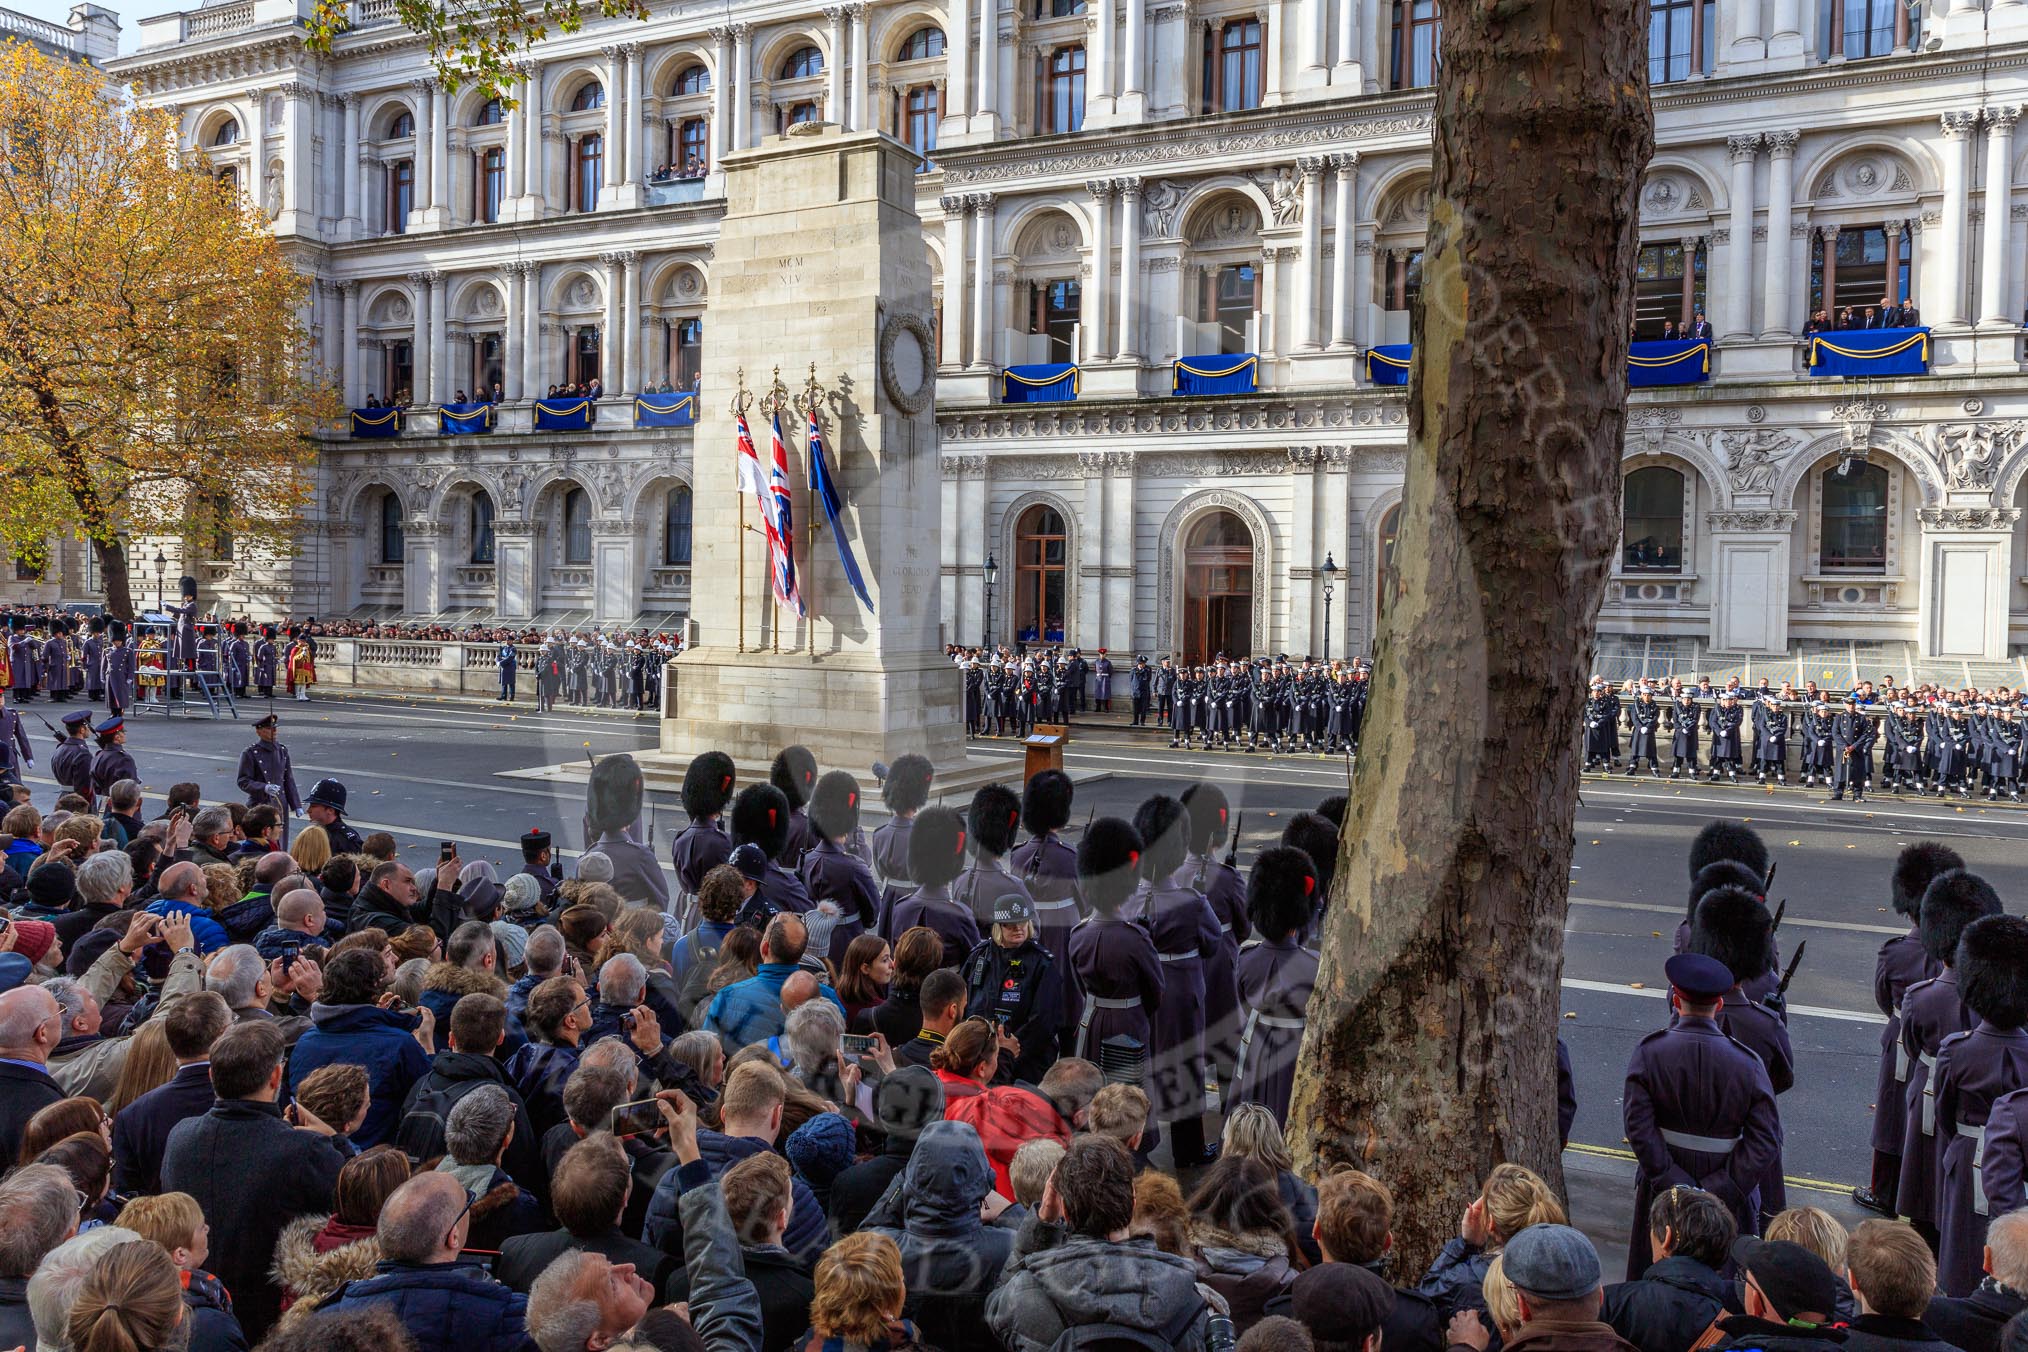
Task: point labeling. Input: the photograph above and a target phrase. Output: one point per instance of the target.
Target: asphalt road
(428, 769)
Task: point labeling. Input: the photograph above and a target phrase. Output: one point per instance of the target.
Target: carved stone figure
(1750, 459)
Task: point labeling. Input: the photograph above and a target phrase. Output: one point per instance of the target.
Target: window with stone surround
(400, 196)
(676, 528)
(1062, 92)
(1418, 42)
(1651, 534)
(1853, 518)
(917, 121)
(482, 527)
(1668, 286)
(1041, 554)
(1681, 37)
(1232, 65)
(1854, 29)
(1862, 264)
(577, 532)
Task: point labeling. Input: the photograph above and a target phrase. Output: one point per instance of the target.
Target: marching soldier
(1186, 934)
(1644, 722)
(1276, 975)
(760, 816)
(1973, 1069)
(1733, 926)
(703, 845)
(1852, 738)
(265, 659)
(1902, 963)
(1113, 957)
(112, 763)
(91, 655)
(71, 765)
(1141, 689)
(904, 789)
(1699, 1110)
(832, 874)
(991, 821)
(1726, 717)
(1016, 984)
(265, 775)
(1930, 1012)
(936, 855)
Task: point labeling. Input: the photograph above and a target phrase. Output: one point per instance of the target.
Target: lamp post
(1330, 571)
(161, 568)
(992, 571)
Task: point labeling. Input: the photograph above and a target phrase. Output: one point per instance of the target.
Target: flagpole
(811, 400)
(740, 402)
(771, 405)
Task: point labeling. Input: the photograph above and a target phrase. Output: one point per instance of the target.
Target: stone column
(419, 337)
(958, 72)
(1270, 298)
(1373, 71)
(1786, 41)
(742, 88)
(613, 75)
(441, 381)
(1271, 15)
(1738, 322)
(1097, 344)
(834, 66)
(348, 342)
(987, 122)
(721, 94)
(1304, 552)
(1346, 166)
(351, 209)
(1088, 614)
(1133, 104)
(612, 337)
(425, 150)
(1129, 342)
(1347, 72)
(514, 369)
(1099, 102)
(440, 154)
(1999, 215)
(532, 383)
(861, 76)
(1362, 285)
(1309, 284)
(1119, 575)
(952, 332)
(516, 149)
(636, 115)
(630, 323)
(531, 116)
(1781, 158)
(1957, 133)
(982, 281)
(1313, 57)
(1746, 42)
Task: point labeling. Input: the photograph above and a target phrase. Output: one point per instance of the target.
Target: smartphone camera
(637, 1118)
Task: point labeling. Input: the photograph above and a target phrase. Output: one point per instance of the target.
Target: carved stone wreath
(910, 381)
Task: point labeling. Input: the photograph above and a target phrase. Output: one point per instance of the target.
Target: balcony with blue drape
(1234, 374)
(376, 422)
(464, 420)
(565, 415)
(665, 410)
(1862, 353)
(1050, 383)
(1670, 363)
(1388, 363)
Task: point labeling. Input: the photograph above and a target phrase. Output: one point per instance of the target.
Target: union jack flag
(781, 525)
(753, 480)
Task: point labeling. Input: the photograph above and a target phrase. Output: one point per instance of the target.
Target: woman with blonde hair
(221, 885)
(1251, 1130)
(1512, 1199)
(1503, 1302)
(859, 1297)
(131, 1301)
(149, 1065)
(311, 849)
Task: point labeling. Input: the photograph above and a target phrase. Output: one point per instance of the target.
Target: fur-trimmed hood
(463, 981)
(1253, 1244)
(310, 1277)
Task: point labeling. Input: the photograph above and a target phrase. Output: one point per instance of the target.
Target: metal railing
(1830, 665)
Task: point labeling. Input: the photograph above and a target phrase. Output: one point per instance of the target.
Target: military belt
(1184, 956)
(1067, 904)
(1976, 1133)
(1113, 1002)
(1711, 1145)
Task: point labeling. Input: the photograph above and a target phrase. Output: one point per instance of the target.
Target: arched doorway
(1041, 575)
(1218, 586)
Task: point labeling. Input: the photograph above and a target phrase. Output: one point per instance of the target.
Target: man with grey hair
(249, 985)
(1973, 1322)
(52, 1292)
(811, 1039)
(86, 1061)
(104, 883)
(31, 1024)
(544, 958)
(477, 1133)
(471, 960)
(211, 836)
(182, 891)
(445, 1304)
(38, 1211)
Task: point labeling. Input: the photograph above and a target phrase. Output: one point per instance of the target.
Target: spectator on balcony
(498, 396)
(1699, 328)
(1669, 334)
(1870, 318)
(1910, 319)
(461, 399)
(594, 388)
(372, 401)
(1818, 323)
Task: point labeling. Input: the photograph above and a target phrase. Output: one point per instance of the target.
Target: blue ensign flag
(827, 492)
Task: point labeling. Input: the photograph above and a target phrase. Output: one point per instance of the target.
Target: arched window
(1855, 519)
(1041, 549)
(676, 528)
(591, 170)
(577, 526)
(1063, 91)
(393, 545)
(1651, 535)
(692, 80)
(482, 527)
(226, 134)
(401, 125)
(491, 114)
(1232, 66)
(591, 94)
(803, 64)
(922, 44)
(1384, 578)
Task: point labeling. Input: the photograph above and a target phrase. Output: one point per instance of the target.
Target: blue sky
(131, 12)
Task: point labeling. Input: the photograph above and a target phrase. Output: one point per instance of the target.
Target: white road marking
(1795, 1011)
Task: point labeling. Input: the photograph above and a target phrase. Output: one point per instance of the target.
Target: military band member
(832, 874)
(1017, 984)
(760, 816)
(1902, 963)
(905, 790)
(1113, 957)
(92, 655)
(1186, 934)
(794, 772)
(1684, 721)
(265, 659)
(1930, 1012)
(991, 822)
(1852, 737)
(1726, 717)
(1644, 722)
(71, 765)
(1276, 975)
(1973, 1069)
(265, 775)
(1601, 726)
(936, 855)
(1733, 925)
(1699, 1110)
(703, 845)
(112, 763)
(23, 659)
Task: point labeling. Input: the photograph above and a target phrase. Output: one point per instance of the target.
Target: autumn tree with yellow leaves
(155, 366)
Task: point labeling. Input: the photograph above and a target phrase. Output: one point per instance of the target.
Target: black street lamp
(1330, 571)
(992, 571)
(161, 568)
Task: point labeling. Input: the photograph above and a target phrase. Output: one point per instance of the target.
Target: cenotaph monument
(820, 259)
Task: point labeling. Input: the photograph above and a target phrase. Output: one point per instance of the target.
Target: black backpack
(1121, 1338)
(695, 996)
(421, 1134)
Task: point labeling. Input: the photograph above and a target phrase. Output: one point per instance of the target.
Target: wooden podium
(1045, 749)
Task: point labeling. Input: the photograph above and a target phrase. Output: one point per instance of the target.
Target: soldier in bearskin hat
(1276, 975)
(703, 845)
(936, 855)
(992, 820)
(1733, 926)
(1973, 1070)
(905, 789)
(760, 816)
(1113, 958)
(612, 818)
(794, 772)
(831, 872)
(1046, 866)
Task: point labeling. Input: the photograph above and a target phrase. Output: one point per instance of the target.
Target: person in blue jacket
(356, 1022)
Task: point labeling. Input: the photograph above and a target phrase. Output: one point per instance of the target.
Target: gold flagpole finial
(743, 399)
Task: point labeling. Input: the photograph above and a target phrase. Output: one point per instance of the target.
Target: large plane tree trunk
(1430, 1053)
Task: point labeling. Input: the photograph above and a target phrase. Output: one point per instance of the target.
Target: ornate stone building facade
(1118, 184)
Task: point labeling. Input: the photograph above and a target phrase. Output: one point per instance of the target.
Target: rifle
(1768, 881)
(60, 738)
(1778, 915)
(1232, 855)
(1794, 962)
